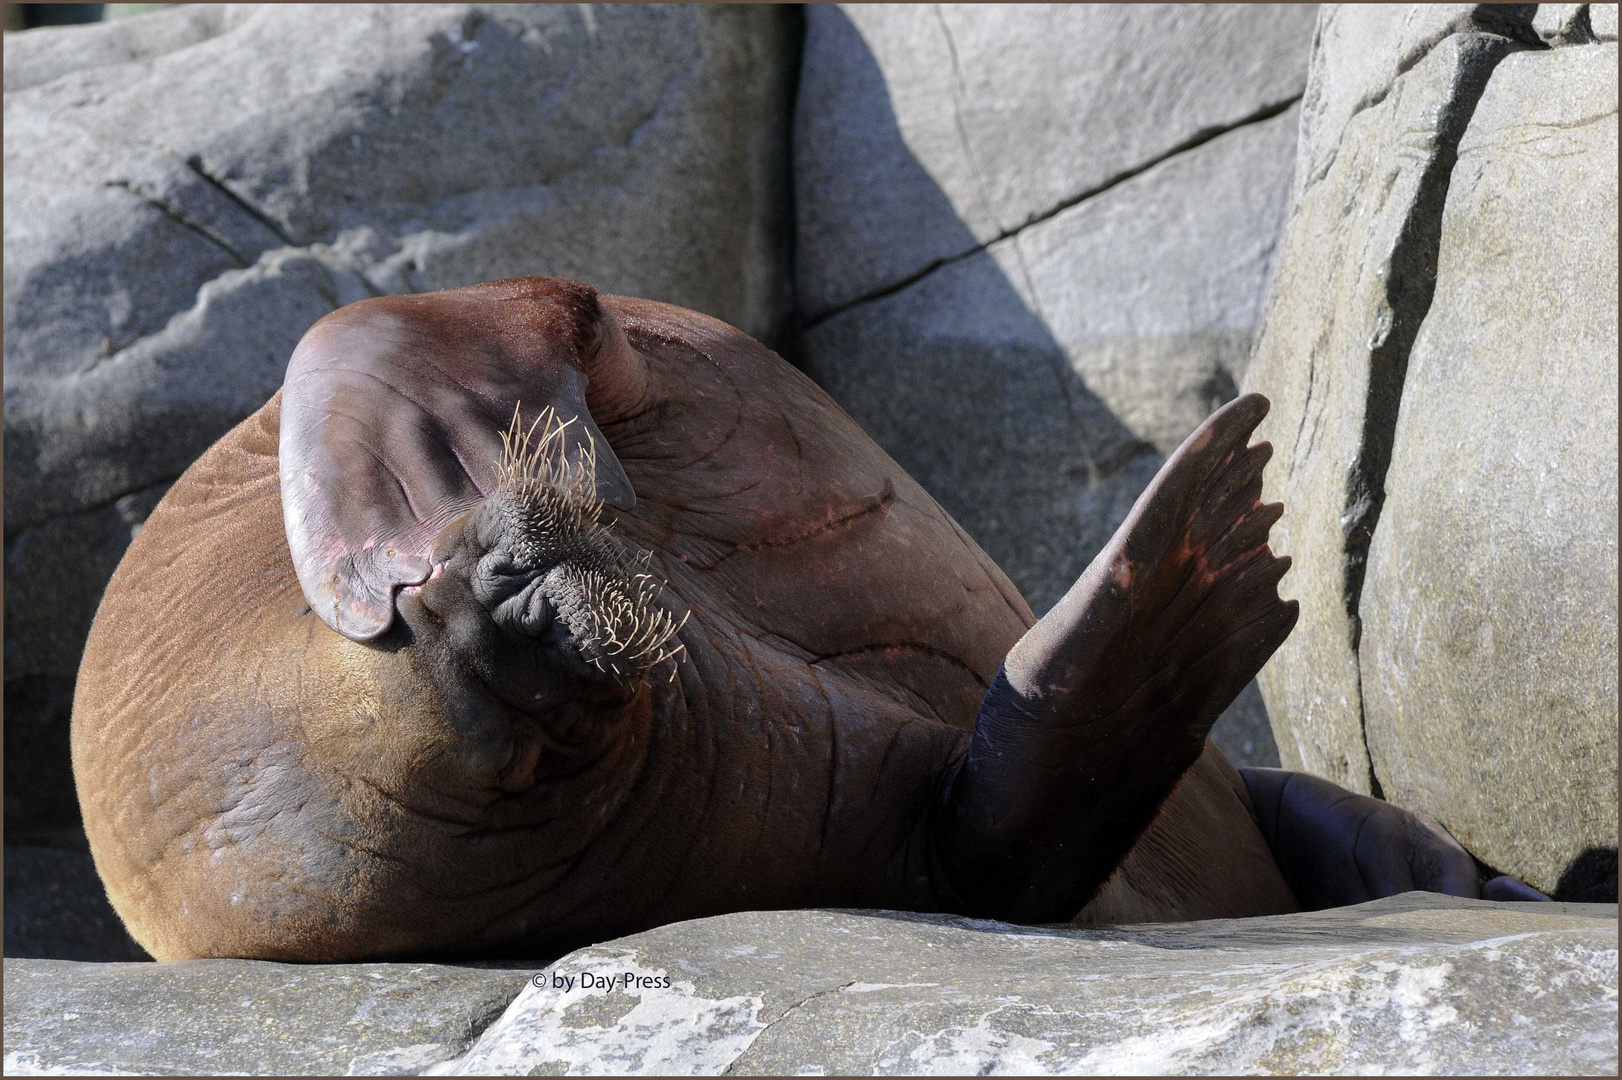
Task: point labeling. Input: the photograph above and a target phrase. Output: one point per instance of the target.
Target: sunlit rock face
(1417, 983)
(1440, 349)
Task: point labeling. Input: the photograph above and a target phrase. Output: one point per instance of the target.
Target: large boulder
(187, 191)
(1417, 983)
(1489, 651)
(1440, 348)
(1033, 244)
(1353, 284)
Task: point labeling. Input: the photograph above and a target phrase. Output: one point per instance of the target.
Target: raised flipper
(1104, 703)
(1337, 847)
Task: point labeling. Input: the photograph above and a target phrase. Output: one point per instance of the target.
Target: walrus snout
(537, 558)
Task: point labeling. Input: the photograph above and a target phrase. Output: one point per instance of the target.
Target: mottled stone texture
(1489, 649)
(1440, 348)
(1417, 983)
(214, 1017)
(186, 192)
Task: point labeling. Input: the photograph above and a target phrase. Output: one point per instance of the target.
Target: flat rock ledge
(1417, 983)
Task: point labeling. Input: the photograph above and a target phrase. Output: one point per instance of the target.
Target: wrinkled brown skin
(256, 785)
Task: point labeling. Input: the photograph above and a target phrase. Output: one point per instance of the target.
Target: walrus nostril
(516, 600)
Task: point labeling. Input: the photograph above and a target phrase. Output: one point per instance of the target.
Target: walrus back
(174, 719)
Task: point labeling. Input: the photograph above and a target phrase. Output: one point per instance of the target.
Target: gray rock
(1243, 731)
(1472, 673)
(1602, 21)
(1353, 283)
(57, 908)
(49, 53)
(214, 1017)
(1415, 983)
(1034, 385)
(1489, 650)
(1358, 54)
(1563, 24)
(186, 192)
(922, 132)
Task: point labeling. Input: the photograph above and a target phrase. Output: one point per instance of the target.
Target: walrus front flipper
(1336, 847)
(392, 414)
(1104, 703)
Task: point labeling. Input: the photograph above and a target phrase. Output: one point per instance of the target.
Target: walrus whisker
(551, 512)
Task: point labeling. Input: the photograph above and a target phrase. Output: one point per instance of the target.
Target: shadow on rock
(57, 909)
(1590, 879)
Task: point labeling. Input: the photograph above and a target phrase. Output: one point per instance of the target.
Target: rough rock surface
(1353, 283)
(33, 59)
(214, 1017)
(161, 263)
(1412, 983)
(1602, 21)
(1449, 273)
(992, 117)
(1489, 650)
(1030, 277)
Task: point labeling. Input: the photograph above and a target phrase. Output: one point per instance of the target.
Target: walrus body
(423, 749)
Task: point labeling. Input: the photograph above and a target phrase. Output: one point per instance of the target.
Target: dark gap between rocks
(1410, 288)
(195, 164)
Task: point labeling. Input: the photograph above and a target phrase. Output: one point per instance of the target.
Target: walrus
(524, 617)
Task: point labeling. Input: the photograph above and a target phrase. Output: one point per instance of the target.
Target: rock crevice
(178, 215)
(195, 164)
(1409, 283)
(1195, 141)
(1419, 220)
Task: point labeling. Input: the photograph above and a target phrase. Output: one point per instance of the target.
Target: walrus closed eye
(353, 694)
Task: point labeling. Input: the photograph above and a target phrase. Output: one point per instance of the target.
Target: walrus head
(439, 460)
